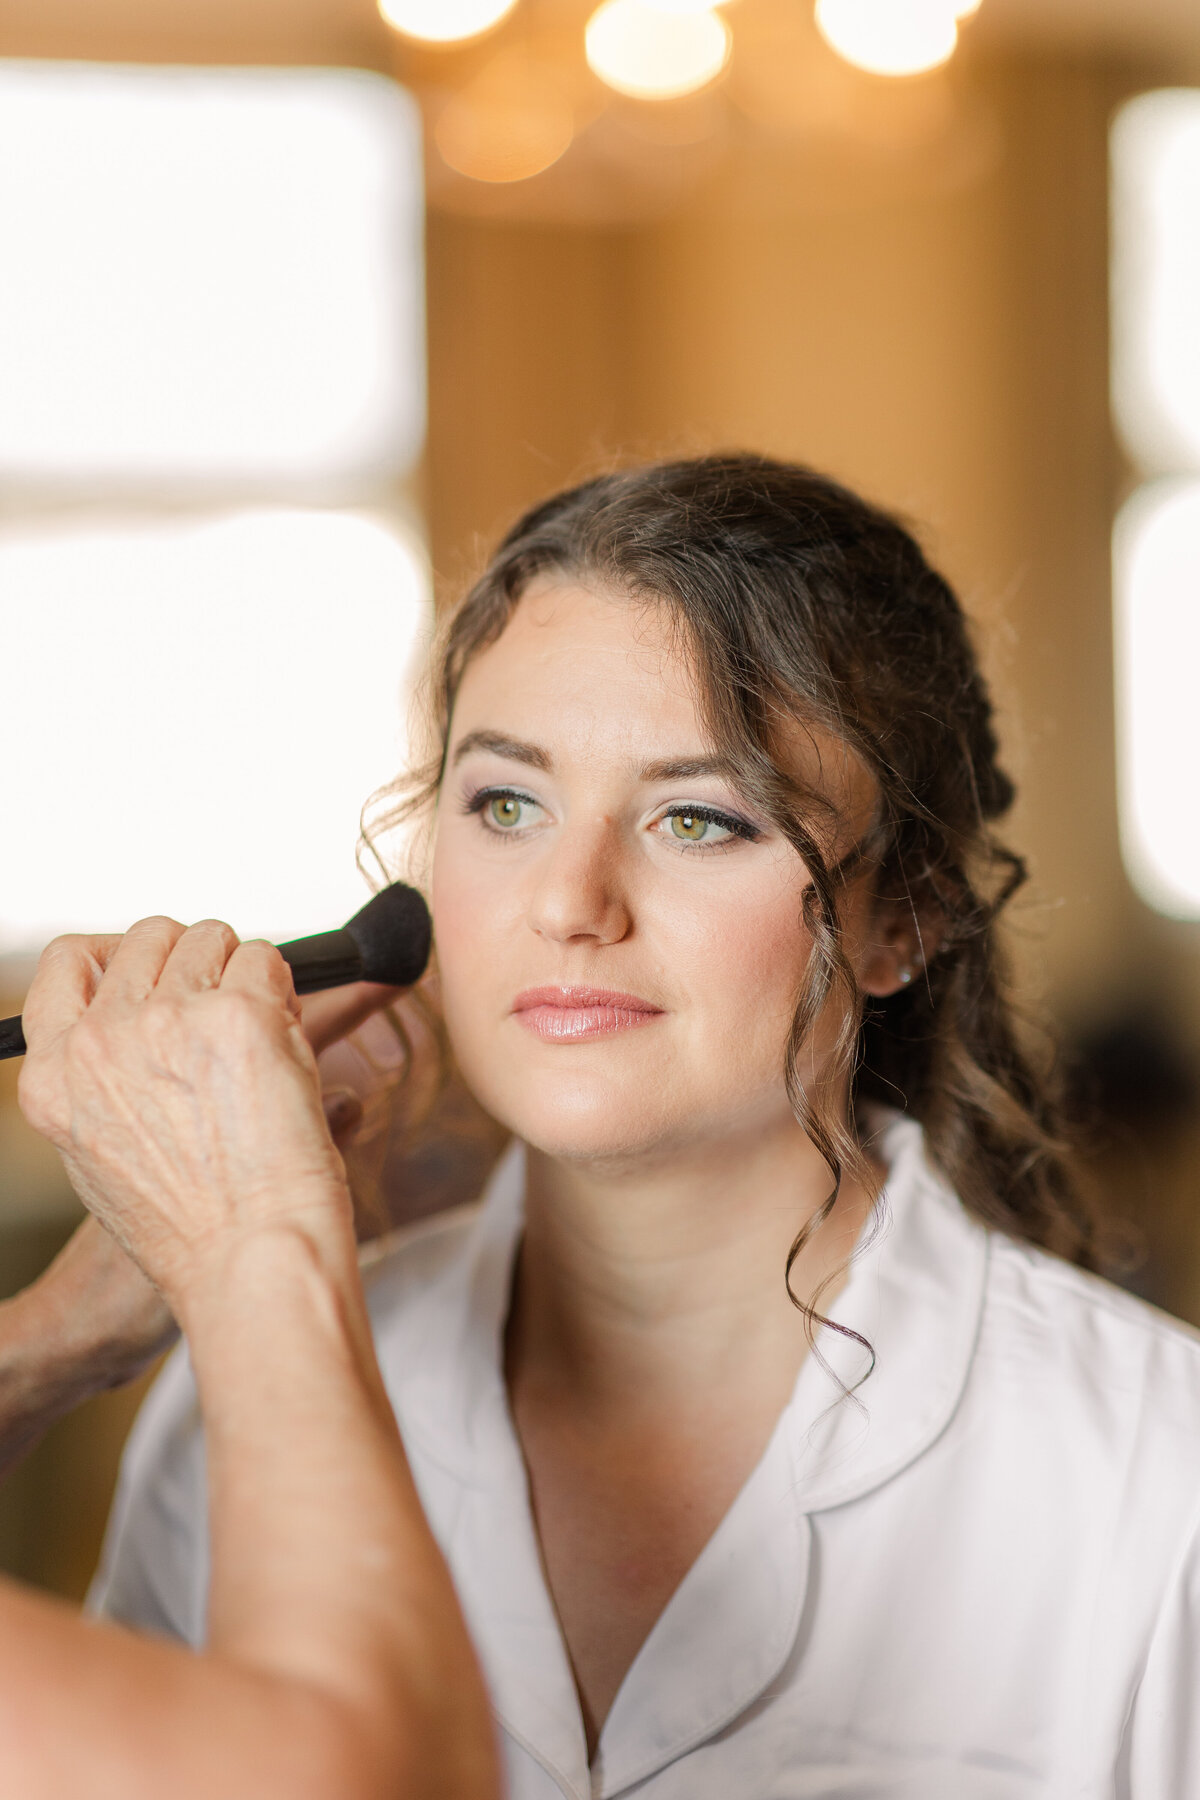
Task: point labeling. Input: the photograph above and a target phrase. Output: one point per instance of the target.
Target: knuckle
(65, 952)
(269, 961)
(157, 925)
(67, 943)
(67, 955)
(216, 928)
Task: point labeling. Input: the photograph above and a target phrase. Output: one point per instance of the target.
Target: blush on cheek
(739, 969)
(462, 903)
(773, 961)
(477, 929)
(749, 957)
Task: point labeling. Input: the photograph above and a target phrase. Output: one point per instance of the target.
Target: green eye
(504, 810)
(689, 827)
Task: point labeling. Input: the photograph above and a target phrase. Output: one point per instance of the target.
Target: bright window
(1156, 279)
(209, 276)
(212, 579)
(194, 714)
(1157, 568)
(1156, 562)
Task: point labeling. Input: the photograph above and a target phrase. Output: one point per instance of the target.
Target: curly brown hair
(801, 602)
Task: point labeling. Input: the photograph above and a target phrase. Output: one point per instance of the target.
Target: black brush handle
(388, 941)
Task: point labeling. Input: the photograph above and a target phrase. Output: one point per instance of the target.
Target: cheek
(477, 919)
(743, 959)
(460, 911)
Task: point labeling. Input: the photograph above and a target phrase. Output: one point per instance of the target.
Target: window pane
(1157, 585)
(210, 278)
(1156, 278)
(194, 713)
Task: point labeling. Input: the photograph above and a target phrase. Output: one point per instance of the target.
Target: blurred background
(302, 300)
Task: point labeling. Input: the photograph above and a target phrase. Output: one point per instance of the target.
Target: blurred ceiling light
(1155, 147)
(1156, 565)
(656, 52)
(508, 124)
(212, 279)
(890, 37)
(443, 21)
(195, 713)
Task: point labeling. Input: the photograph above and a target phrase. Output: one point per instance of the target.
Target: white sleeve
(153, 1571)
(1161, 1753)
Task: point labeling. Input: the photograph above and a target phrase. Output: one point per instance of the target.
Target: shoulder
(1071, 1338)
(1044, 1301)
(1083, 1408)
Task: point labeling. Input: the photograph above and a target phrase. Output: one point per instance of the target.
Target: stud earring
(906, 975)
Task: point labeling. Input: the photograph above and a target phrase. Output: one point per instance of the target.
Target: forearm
(35, 1386)
(324, 1569)
(91, 1322)
(338, 1661)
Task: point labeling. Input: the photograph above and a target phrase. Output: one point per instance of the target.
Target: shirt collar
(724, 1635)
(915, 1293)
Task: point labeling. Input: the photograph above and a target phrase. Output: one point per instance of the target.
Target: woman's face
(619, 934)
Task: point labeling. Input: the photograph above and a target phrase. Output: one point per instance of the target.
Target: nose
(579, 889)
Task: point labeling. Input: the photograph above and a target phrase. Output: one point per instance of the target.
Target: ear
(897, 945)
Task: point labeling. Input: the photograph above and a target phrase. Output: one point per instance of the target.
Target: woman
(775, 1444)
(170, 1069)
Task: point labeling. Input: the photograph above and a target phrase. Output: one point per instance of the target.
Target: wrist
(234, 1276)
(276, 1299)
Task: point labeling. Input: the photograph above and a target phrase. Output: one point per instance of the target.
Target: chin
(614, 1151)
(610, 1126)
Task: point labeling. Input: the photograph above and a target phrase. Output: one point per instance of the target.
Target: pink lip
(568, 1014)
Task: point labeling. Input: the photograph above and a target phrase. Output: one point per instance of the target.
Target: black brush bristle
(393, 933)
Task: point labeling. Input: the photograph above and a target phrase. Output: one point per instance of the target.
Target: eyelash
(475, 803)
(738, 828)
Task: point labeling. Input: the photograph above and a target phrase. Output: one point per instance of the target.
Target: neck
(640, 1288)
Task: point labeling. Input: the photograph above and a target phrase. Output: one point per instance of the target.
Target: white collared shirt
(979, 1581)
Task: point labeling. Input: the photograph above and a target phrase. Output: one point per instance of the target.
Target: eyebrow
(686, 768)
(500, 745)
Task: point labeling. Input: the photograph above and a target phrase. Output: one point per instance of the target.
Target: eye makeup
(709, 815)
(485, 803)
